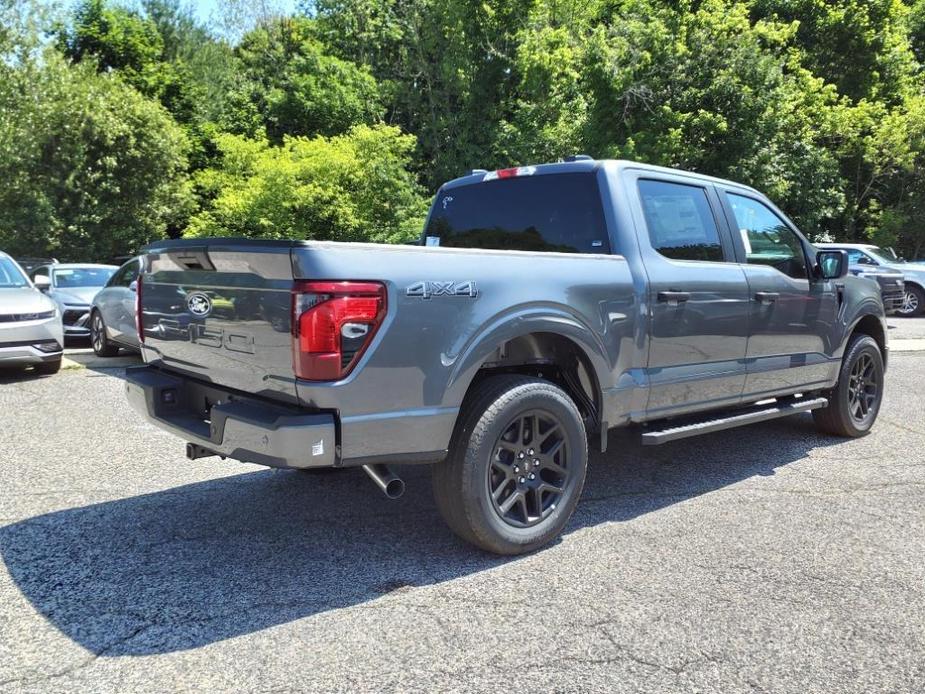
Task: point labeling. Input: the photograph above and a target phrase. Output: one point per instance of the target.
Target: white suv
(31, 332)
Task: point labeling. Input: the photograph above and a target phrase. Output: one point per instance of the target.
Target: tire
(102, 347)
(48, 368)
(913, 302)
(502, 420)
(847, 399)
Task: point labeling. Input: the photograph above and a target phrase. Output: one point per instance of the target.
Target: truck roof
(591, 165)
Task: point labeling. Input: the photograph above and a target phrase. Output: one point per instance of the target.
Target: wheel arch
(873, 326)
(558, 348)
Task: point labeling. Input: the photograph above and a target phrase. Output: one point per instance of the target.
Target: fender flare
(520, 322)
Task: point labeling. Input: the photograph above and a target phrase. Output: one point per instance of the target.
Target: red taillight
(139, 323)
(332, 325)
(507, 173)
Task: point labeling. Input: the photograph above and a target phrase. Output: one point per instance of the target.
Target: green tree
(293, 87)
(860, 46)
(89, 168)
(351, 187)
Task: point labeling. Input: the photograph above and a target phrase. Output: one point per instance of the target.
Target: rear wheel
(102, 347)
(855, 402)
(913, 303)
(516, 465)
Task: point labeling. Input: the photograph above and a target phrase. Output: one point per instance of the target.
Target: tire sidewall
(104, 340)
(920, 295)
(486, 522)
(860, 346)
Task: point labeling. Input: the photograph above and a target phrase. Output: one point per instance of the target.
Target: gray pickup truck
(543, 306)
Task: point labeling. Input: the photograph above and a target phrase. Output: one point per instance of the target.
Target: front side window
(10, 275)
(767, 238)
(680, 221)
(552, 212)
(855, 256)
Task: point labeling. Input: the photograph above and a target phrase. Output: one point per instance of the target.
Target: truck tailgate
(220, 310)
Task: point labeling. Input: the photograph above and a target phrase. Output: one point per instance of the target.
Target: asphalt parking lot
(765, 559)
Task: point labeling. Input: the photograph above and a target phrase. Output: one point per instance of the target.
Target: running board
(750, 416)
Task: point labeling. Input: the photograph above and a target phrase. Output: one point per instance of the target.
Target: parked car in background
(29, 264)
(30, 322)
(72, 286)
(892, 284)
(112, 313)
(870, 256)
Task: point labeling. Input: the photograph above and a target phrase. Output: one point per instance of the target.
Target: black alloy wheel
(529, 469)
(863, 388)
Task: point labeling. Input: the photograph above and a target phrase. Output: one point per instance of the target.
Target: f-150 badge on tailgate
(427, 289)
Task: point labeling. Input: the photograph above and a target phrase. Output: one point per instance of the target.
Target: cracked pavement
(768, 558)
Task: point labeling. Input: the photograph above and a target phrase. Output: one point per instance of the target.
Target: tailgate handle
(192, 258)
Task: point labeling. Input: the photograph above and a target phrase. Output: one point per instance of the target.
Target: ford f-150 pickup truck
(542, 307)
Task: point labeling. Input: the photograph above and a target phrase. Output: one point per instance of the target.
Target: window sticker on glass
(433, 241)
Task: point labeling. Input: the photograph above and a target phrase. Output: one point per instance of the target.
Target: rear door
(220, 311)
(792, 315)
(697, 297)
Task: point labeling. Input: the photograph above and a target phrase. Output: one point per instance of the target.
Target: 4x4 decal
(429, 289)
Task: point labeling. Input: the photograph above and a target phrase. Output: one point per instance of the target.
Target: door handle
(674, 298)
(766, 297)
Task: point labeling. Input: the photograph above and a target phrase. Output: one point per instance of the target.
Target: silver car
(913, 303)
(30, 323)
(72, 286)
(112, 313)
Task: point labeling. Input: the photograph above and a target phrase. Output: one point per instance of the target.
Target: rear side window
(553, 212)
(680, 221)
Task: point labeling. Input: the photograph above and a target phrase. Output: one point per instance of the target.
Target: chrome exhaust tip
(390, 483)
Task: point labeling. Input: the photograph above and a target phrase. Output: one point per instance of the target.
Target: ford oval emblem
(199, 304)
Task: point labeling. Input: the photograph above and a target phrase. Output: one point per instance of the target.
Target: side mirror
(42, 283)
(831, 265)
(133, 286)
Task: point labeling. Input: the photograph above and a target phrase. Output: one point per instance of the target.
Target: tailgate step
(751, 415)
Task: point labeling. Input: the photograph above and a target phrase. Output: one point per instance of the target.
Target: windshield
(82, 277)
(884, 255)
(10, 275)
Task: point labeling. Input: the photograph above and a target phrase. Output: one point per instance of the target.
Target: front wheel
(516, 466)
(855, 401)
(102, 347)
(913, 302)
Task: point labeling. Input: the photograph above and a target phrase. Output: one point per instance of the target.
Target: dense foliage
(135, 120)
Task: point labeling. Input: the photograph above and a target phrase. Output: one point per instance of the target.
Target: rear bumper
(231, 425)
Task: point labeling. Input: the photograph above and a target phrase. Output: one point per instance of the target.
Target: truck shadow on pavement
(193, 565)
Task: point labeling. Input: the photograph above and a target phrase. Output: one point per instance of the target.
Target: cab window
(680, 221)
(767, 238)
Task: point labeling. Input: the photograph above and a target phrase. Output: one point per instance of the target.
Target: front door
(792, 314)
(698, 297)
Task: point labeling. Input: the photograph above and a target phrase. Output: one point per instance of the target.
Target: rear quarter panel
(449, 309)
